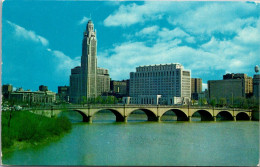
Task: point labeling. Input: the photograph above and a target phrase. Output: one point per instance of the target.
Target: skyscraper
(89, 62)
(88, 80)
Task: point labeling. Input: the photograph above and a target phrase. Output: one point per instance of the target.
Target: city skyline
(41, 45)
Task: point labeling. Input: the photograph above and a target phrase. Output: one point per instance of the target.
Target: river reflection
(138, 142)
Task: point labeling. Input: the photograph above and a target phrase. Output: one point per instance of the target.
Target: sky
(42, 40)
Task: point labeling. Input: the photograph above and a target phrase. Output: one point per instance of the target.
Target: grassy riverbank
(27, 128)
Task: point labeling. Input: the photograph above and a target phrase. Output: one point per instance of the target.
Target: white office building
(160, 84)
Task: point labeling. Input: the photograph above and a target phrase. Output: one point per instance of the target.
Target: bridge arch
(181, 116)
(204, 115)
(150, 114)
(84, 115)
(242, 116)
(225, 115)
(119, 116)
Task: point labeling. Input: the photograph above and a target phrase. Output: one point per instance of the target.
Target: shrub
(26, 126)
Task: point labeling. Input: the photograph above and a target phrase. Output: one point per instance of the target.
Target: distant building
(75, 85)
(103, 81)
(43, 88)
(119, 87)
(196, 88)
(127, 86)
(233, 85)
(256, 85)
(63, 93)
(160, 84)
(88, 80)
(33, 97)
(6, 90)
(248, 81)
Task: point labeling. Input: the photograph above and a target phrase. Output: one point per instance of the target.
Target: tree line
(236, 102)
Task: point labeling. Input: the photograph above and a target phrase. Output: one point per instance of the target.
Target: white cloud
(215, 17)
(237, 54)
(148, 31)
(130, 55)
(165, 34)
(84, 20)
(250, 35)
(194, 17)
(28, 34)
(131, 14)
(122, 17)
(65, 63)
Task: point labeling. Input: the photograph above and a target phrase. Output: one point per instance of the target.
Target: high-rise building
(232, 86)
(89, 62)
(196, 87)
(88, 80)
(160, 84)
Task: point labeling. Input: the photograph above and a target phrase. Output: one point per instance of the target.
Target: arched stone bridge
(153, 112)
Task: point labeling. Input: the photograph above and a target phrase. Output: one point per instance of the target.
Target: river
(139, 142)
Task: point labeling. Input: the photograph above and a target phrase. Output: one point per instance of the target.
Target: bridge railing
(77, 106)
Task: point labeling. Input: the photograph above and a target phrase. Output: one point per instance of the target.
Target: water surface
(138, 142)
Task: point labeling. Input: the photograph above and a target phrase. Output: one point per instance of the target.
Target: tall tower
(88, 80)
(89, 62)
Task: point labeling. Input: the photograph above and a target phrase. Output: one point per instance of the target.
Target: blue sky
(42, 39)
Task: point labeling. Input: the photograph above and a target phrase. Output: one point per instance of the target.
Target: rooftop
(160, 65)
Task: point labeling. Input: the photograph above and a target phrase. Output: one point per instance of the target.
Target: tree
(213, 102)
(222, 102)
(252, 102)
(99, 100)
(202, 101)
(84, 100)
(244, 103)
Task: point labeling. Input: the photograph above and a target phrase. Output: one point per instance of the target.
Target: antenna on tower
(90, 16)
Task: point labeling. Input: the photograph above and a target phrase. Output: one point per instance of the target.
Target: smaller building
(202, 97)
(196, 88)
(63, 93)
(256, 85)
(119, 88)
(103, 81)
(247, 81)
(6, 90)
(29, 97)
(75, 85)
(43, 88)
(232, 86)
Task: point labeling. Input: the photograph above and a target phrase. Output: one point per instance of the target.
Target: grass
(30, 128)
